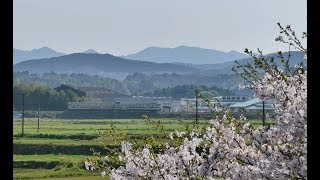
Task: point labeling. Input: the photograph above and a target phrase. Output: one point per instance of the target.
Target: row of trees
(36, 94)
(55, 79)
(187, 91)
(132, 84)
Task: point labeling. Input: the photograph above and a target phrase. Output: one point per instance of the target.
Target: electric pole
(38, 118)
(197, 96)
(263, 114)
(187, 105)
(22, 133)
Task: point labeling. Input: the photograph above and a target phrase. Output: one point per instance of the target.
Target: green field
(62, 145)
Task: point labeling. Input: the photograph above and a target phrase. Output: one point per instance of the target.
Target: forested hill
(37, 95)
(54, 80)
(97, 64)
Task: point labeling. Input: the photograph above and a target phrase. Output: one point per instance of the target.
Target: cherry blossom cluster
(234, 150)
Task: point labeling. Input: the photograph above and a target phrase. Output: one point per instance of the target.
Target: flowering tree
(235, 150)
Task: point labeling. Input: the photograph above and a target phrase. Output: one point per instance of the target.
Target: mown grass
(69, 166)
(80, 178)
(88, 127)
(84, 127)
(50, 157)
(19, 173)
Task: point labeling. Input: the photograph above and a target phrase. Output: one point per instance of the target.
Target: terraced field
(62, 145)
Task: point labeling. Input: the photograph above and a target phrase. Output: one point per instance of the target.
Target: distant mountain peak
(183, 46)
(91, 51)
(40, 53)
(43, 49)
(185, 54)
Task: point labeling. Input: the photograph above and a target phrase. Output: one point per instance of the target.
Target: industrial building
(108, 100)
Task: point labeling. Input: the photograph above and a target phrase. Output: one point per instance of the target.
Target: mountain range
(44, 52)
(91, 62)
(180, 54)
(136, 75)
(97, 64)
(185, 54)
(40, 53)
(225, 68)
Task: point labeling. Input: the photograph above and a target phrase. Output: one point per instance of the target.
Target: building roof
(95, 90)
(259, 108)
(133, 100)
(246, 103)
(254, 103)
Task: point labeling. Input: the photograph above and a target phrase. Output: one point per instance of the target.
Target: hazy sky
(122, 27)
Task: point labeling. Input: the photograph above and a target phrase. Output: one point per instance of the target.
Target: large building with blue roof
(252, 105)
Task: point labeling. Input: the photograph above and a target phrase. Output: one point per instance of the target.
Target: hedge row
(207, 115)
(29, 149)
(42, 114)
(35, 164)
(58, 136)
(94, 114)
(103, 114)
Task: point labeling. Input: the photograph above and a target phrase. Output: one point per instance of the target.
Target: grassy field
(49, 157)
(60, 148)
(80, 178)
(53, 174)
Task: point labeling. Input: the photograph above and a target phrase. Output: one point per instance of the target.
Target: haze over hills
(40, 53)
(115, 67)
(182, 55)
(100, 64)
(185, 54)
(44, 52)
(136, 75)
(225, 68)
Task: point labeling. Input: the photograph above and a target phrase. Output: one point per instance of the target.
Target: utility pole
(263, 114)
(38, 118)
(22, 114)
(197, 96)
(187, 105)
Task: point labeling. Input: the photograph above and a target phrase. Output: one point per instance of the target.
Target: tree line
(132, 84)
(47, 98)
(187, 91)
